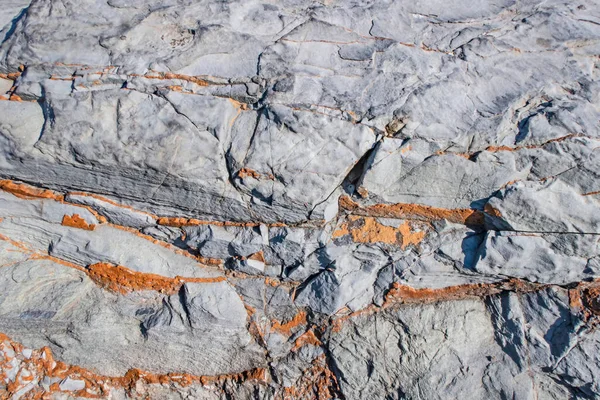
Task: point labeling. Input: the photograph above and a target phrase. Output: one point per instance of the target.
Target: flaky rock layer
(299, 199)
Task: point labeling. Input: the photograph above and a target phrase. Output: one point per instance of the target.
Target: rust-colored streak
(28, 192)
(32, 255)
(22, 247)
(403, 294)
(169, 246)
(409, 237)
(493, 149)
(575, 301)
(181, 222)
(111, 202)
(240, 106)
(591, 193)
(37, 256)
(307, 338)
(118, 278)
(75, 221)
(170, 75)
(247, 172)
(585, 299)
(287, 327)
(492, 211)
(497, 149)
(123, 280)
(258, 256)
(316, 382)
(364, 193)
(368, 230)
(62, 78)
(590, 297)
(407, 294)
(42, 364)
(413, 211)
(12, 76)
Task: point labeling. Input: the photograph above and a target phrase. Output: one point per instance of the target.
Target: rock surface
(299, 199)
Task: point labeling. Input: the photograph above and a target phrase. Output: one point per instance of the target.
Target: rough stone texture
(299, 199)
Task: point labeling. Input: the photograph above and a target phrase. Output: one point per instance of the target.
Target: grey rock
(409, 353)
(394, 199)
(223, 242)
(551, 206)
(546, 258)
(87, 326)
(115, 213)
(347, 279)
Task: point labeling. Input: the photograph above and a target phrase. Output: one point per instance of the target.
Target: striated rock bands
(299, 199)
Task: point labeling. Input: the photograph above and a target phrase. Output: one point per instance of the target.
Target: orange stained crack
(409, 236)
(60, 78)
(271, 282)
(496, 149)
(591, 193)
(492, 211)
(111, 202)
(368, 230)
(182, 221)
(403, 294)
(15, 97)
(442, 153)
(575, 300)
(254, 328)
(316, 382)
(123, 280)
(170, 75)
(413, 211)
(28, 192)
(307, 338)
(118, 278)
(175, 88)
(41, 364)
(362, 192)
(18, 245)
(493, 149)
(258, 256)
(406, 149)
(37, 256)
(239, 105)
(75, 221)
(585, 297)
(12, 75)
(408, 294)
(247, 172)
(287, 327)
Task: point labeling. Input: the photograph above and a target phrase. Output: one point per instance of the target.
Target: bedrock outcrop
(387, 199)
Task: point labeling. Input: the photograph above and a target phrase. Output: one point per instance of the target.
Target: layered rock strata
(299, 199)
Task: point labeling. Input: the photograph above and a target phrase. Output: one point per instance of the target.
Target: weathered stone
(299, 199)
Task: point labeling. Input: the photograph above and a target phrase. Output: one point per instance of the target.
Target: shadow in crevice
(474, 249)
(13, 24)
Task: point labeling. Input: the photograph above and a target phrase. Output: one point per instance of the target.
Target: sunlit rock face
(299, 199)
